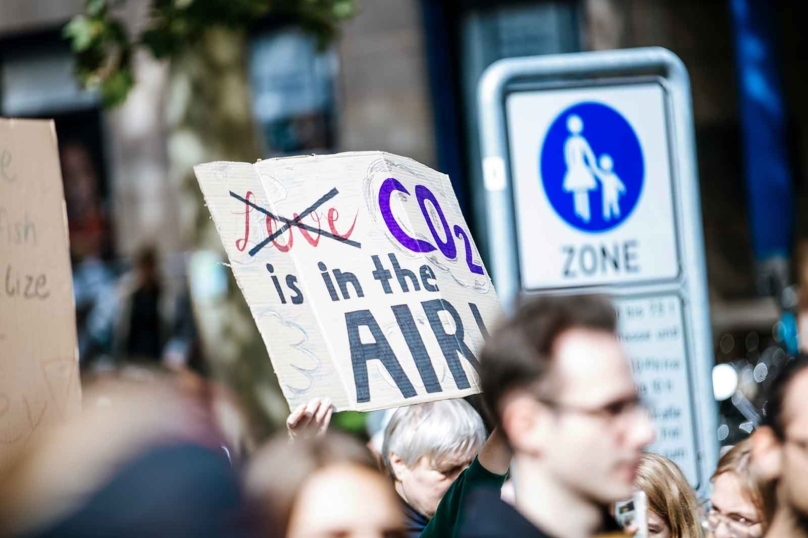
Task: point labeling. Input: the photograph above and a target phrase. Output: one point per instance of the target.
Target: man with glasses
(560, 385)
(780, 449)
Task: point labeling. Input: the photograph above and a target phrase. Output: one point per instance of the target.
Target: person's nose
(722, 531)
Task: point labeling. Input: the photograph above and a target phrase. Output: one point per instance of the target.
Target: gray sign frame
(592, 69)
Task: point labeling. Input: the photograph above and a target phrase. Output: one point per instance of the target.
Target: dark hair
(146, 257)
(774, 408)
(519, 353)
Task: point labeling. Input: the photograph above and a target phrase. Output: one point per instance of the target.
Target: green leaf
(81, 31)
(117, 33)
(97, 40)
(343, 9)
(96, 8)
(115, 89)
(159, 42)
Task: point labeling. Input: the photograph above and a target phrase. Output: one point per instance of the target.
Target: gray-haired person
(436, 453)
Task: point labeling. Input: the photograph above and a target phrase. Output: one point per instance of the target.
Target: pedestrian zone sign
(591, 187)
(591, 172)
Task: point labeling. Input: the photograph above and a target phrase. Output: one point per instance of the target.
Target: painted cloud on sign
(306, 363)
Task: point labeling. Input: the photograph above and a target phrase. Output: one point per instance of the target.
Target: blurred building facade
(403, 79)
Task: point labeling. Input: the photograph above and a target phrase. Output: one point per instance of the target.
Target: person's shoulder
(485, 515)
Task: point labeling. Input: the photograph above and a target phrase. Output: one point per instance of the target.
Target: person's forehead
(729, 496)
(344, 497)
(796, 405)
(590, 366)
(655, 520)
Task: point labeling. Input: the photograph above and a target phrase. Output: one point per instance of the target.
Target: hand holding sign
(364, 311)
(310, 419)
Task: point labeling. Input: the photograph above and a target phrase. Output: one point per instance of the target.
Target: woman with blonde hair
(672, 503)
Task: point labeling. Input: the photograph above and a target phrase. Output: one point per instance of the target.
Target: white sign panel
(592, 186)
(653, 333)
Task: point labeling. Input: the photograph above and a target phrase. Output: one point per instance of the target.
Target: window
(293, 92)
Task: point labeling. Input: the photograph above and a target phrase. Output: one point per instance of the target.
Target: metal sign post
(592, 186)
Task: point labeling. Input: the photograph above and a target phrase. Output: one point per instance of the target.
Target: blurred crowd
(129, 311)
(555, 447)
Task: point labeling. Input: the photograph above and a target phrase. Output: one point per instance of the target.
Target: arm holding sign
(496, 455)
(488, 470)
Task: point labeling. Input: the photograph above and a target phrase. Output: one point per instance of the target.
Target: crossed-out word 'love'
(310, 233)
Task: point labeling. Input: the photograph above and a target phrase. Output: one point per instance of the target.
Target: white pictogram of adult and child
(584, 172)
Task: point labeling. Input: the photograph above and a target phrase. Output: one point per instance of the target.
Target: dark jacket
(485, 515)
(182, 491)
(414, 521)
(446, 521)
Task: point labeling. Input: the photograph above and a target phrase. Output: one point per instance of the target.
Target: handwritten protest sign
(39, 381)
(360, 272)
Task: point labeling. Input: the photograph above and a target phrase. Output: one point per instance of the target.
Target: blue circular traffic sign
(591, 167)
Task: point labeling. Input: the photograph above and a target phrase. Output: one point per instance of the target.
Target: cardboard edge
(315, 156)
(65, 229)
(434, 397)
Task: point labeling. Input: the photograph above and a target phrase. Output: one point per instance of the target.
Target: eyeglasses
(610, 413)
(737, 526)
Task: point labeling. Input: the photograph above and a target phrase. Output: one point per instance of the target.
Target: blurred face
(589, 436)
(424, 484)
(733, 515)
(601, 428)
(794, 473)
(657, 526)
(79, 180)
(346, 501)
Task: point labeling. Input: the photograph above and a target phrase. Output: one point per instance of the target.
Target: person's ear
(767, 454)
(526, 423)
(398, 467)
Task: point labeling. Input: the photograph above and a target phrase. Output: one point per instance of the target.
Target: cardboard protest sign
(39, 380)
(360, 272)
